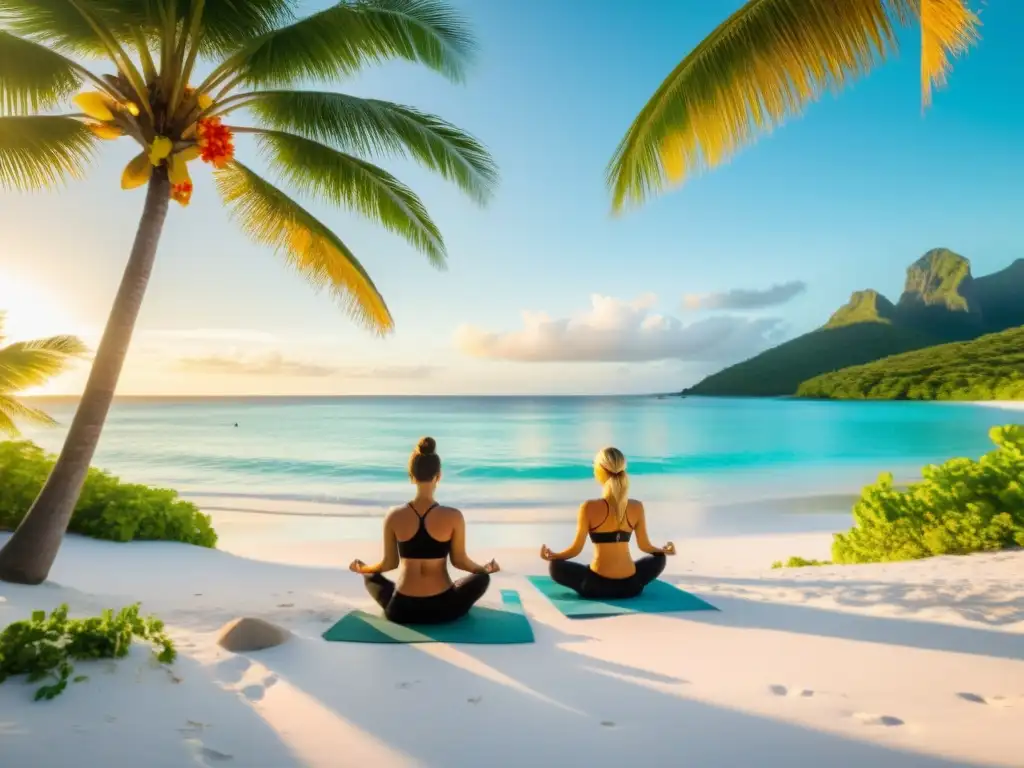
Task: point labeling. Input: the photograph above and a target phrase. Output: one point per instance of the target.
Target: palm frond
(43, 151)
(228, 24)
(27, 364)
(269, 217)
(33, 77)
(763, 64)
(56, 23)
(323, 172)
(12, 409)
(373, 127)
(346, 37)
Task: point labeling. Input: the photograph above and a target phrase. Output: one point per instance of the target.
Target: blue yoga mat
(506, 625)
(657, 597)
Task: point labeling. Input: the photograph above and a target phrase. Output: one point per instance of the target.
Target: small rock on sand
(249, 634)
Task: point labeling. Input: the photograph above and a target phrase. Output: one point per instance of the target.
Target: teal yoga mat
(657, 597)
(481, 626)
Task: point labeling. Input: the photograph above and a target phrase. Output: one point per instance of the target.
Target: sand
(913, 664)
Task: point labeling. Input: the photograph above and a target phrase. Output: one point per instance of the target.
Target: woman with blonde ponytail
(610, 522)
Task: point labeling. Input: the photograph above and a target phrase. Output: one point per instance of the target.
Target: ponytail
(616, 491)
(611, 466)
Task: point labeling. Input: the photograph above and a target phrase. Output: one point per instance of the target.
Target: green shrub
(799, 562)
(107, 508)
(959, 507)
(42, 646)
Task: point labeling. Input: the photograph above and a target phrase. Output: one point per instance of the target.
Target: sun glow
(31, 311)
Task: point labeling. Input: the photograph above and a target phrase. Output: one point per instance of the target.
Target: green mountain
(941, 302)
(863, 307)
(988, 368)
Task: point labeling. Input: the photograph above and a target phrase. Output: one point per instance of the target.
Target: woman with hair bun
(420, 537)
(610, 522)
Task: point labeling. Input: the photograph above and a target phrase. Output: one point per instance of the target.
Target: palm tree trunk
(28, 556)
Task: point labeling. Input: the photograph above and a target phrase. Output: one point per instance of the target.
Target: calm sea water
(522, 459)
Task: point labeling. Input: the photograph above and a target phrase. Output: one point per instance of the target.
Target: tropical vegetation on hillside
(28, 364)
(988, 368)
(959, 507)
(764, 63)
(941, 302)
(316, 142)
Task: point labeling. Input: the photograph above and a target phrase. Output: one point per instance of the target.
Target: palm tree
(768, 61)
(27, 364)
(314, 140)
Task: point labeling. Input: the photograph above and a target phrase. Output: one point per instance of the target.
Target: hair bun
(426, 446)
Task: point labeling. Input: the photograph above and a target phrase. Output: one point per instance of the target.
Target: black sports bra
(610, 537)
(423, 546)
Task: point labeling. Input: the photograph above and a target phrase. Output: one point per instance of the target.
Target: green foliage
(988, 368)
(959, 507)
(26, 364)
(779, 371)
(43, 151)
(44, 647)
(799, 562)
(107, 508)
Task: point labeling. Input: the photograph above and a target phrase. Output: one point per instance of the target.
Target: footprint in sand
(232, 669)
(869, 719)
(992, 701)
(203, 755)
(257, 691)
(782, 690)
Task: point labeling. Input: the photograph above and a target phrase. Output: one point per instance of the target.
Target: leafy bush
(107, 508)
(799, 562)
(42, 646)
(959, 507)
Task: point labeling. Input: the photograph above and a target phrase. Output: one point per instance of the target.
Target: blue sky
(843, 198)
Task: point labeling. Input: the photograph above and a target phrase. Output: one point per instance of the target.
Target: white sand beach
(914, 664)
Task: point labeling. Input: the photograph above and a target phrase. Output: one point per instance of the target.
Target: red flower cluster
(216, 143)
(182, 193)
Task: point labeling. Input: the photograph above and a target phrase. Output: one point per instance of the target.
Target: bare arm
(459, 557)
(391, 559)
(642, 539)
(582, 529)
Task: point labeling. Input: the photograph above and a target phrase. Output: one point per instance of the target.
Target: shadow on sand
(912, 633)
(547, 705)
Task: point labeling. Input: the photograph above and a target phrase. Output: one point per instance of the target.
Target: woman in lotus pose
(420, 536)
(610, 522)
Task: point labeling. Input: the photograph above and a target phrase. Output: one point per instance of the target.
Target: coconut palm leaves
(763, 64)
(27, 364)
(321, 144)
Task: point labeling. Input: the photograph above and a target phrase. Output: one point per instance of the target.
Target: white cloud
(621, 331)
(744, 298)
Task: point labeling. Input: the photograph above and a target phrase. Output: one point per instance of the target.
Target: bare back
(423, 577)
(613, 559)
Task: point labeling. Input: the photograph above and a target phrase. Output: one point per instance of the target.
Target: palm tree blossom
(317, 141)
(764, 63)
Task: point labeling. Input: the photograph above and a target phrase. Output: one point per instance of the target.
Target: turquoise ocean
(711, 465)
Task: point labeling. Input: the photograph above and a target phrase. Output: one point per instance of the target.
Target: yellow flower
(160, 149)
(105, 130)
(132, 108)
(137, 172)
(204, 101)
(177, 169)
(190, 154)
(95, 105)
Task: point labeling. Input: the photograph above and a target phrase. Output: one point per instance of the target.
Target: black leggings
(593, 586)
(436, 609)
